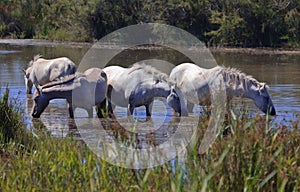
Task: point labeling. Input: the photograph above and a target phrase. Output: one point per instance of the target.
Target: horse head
(28, 82)
(246, 86)
(176, 101)
(27, 72)
(263, 100)
(40, 102)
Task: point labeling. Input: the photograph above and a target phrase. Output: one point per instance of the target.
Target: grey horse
(42, 71)
(138, 86)
(194, 83)
(80, 90)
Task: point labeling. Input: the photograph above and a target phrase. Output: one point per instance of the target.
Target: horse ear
(24, 71)
(265, 86)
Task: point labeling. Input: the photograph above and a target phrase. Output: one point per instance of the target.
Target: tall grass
(11, 125)
(251, 155)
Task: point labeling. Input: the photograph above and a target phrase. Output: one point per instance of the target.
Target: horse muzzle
(35, 115)
(272, 111)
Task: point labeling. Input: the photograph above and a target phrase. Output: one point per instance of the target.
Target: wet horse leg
(148, 111)
(101, 108)
(130, 109)
(110, 106)
(70, 108)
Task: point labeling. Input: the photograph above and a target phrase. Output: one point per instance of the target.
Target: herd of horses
(186, 86)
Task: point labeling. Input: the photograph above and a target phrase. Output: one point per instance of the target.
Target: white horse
(194, 83)
(138, 86)
(42, 71)
(80, 90)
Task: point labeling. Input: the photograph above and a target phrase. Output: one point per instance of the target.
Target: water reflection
(117, 142)
(40, 125)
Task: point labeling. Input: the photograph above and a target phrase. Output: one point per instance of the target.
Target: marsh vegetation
(250, 154)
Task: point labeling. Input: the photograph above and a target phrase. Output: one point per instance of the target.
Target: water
(281, 72)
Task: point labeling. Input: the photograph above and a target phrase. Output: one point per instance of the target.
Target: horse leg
(110, 106)
(149, 108)
(148, 113)
(70, 108)
(110, 109)
(130, 109)
(190, 107)
(101, 108)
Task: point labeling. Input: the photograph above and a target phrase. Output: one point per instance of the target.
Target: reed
(250, 154)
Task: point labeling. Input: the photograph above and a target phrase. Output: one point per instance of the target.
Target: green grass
(250, 155)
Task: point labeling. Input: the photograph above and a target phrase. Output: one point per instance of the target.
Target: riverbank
(43, 42)
(252, 51)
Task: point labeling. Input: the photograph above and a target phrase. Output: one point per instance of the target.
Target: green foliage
(65, 20)
(244, 23)
(11, 125)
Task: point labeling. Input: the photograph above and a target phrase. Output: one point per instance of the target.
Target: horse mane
(63, 80)
(35, 58)
(237, 77)
(157, 75)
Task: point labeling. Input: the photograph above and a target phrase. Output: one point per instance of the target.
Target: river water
(280, 71)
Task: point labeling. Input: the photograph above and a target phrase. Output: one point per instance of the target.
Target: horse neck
(238, 86)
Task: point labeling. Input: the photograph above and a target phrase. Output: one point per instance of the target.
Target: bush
(244, 23)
